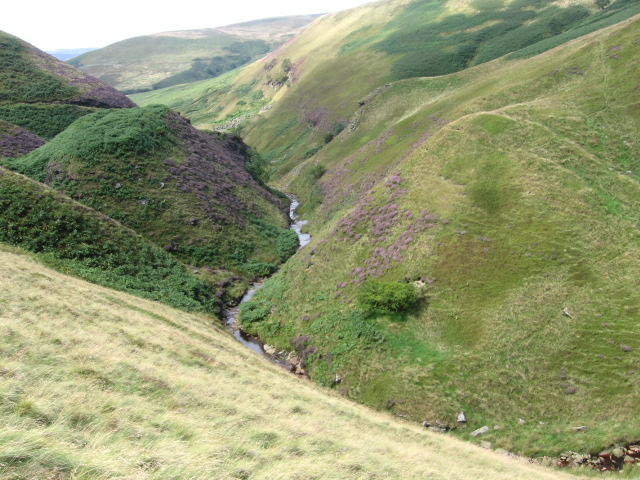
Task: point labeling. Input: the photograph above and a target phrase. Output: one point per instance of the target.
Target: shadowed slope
(185, 190)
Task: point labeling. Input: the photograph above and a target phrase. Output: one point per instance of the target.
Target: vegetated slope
(16, 141)
(508, 196)
(99, 384)
(45, 95)
(302, 95)
(187, 191)
(80, 241)
(170, 58)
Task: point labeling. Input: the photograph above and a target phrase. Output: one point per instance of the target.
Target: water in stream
(231, 316)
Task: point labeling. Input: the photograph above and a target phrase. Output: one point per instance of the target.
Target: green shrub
(254, 311)
(260, 269)
(376, 296)
(287, 244)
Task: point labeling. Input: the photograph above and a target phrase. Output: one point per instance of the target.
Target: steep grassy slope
(508, 195)
(96, 384)
(171, 58)
(80, 241)
(185, 190)
(303, 94)
(45, 95)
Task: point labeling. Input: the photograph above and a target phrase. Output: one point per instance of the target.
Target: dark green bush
(287, 244)
(376, 296)
(254, 311)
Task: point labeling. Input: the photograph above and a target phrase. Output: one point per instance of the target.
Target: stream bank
(287, 360)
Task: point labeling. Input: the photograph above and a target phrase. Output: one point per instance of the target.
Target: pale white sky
(51, 24)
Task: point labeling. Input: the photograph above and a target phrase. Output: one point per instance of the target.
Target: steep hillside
(171, 58)
(97, 384)
(45, 95)
(476, 248)
(298, 98)
(80, 241)
(185, 190)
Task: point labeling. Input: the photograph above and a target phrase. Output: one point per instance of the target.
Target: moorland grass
(97, 384)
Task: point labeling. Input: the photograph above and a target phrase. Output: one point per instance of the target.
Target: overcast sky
(51, 24)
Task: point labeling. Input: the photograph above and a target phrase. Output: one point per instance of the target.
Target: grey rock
(462, 418)
(485, 444)
(566, 312)
(628, 459)
(438, 429)
(580, 429)
(521, 421)
(479, 431)
(618, 452)
(390, 404)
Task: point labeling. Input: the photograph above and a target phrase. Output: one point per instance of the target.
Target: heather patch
(16, 142)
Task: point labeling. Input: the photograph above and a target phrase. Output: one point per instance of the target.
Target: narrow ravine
(231, 315)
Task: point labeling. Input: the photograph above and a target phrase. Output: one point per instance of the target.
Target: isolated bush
(376, 296)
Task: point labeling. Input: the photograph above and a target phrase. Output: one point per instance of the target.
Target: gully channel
(231, 316)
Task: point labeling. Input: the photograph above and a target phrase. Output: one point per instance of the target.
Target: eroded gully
(285, 359)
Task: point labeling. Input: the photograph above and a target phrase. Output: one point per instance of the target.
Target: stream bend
(231, 316)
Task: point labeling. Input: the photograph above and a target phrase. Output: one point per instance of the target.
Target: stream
(231, 316)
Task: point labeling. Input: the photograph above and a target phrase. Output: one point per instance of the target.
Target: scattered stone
(485, 444)
(338, 379)
(118, 186)
(566, 312)
(629, 459)
(438, 429)
(502, 451)
(626, 348)
(193, 221)
(521, 421)
(496, 427)
(462, 418)
(479, 431)
(143, 202)
(269, 350)
(161, 184)
(390, 404)
(571, 390)
(580, 429)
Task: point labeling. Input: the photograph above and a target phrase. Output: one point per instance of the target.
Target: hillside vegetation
(507, 196)
(97, 384)
(295, 100)
(43, 94)
(80, 241)
(187, 191)
(171, 58)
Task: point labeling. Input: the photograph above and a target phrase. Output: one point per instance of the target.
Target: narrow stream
(231, 316)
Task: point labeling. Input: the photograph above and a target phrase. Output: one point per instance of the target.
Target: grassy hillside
(298, 98)
(187, 191)
(172, 58)
(97, 384)
(77, 240)
(45, 95)
(506, 198)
